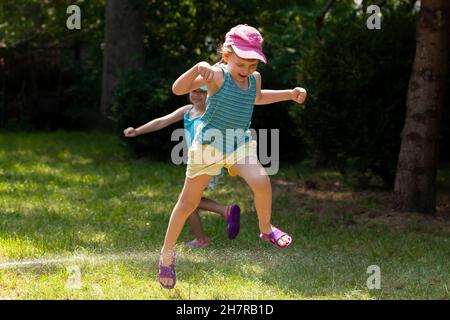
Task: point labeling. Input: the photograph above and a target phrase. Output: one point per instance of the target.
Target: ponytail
(221, 49)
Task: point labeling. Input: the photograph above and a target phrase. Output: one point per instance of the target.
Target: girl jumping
(222, 138)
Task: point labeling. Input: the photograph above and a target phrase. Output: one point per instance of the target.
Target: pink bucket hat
(246, 42)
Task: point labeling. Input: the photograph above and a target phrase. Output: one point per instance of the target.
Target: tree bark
(123, 50)
(415, 183)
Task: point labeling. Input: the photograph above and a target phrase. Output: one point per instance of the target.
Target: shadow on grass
(88, 199)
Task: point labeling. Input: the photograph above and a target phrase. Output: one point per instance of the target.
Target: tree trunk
(124, 48)
(415, 183)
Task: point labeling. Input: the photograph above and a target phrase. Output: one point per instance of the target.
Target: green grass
(78, 196)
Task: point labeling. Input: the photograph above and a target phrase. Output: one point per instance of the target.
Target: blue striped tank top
(226, 121)
(190, 126)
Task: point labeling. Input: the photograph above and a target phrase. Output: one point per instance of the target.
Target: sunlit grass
(65, 195)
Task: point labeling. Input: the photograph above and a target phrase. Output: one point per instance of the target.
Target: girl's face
(238, 67)
(198, 97)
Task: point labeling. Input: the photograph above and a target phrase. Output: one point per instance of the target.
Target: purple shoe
(275, 236)
(233, 218)
(197, 244)
(167, 272)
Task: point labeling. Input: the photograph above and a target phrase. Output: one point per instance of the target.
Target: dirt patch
(340, 204)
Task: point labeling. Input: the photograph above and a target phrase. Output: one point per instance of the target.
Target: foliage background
(356, 78)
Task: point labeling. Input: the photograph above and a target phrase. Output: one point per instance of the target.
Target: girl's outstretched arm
(157, 124)
(200, 74)
(271, 96)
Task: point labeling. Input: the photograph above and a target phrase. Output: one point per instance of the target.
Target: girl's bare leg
(186, 204)
(212, 206)
(196, 227)
(251, 171)
(194, 219)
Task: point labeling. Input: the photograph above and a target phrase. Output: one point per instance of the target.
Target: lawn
(79, 219)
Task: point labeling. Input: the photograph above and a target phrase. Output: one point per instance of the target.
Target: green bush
(140, 96)
(357, 81)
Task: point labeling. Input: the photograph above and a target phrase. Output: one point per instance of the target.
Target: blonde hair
(220, 51)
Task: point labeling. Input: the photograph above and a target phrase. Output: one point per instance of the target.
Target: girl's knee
(260, 183)
(187, 206)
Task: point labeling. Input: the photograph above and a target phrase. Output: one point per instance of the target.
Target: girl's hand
(298, 95)
(130, 132)
(205, 70)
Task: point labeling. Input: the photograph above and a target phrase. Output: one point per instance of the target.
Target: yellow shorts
(205, 159)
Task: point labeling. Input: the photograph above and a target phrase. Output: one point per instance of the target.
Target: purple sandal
(275, 236)
(167, 272)
(197, 244)
(233, 217)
